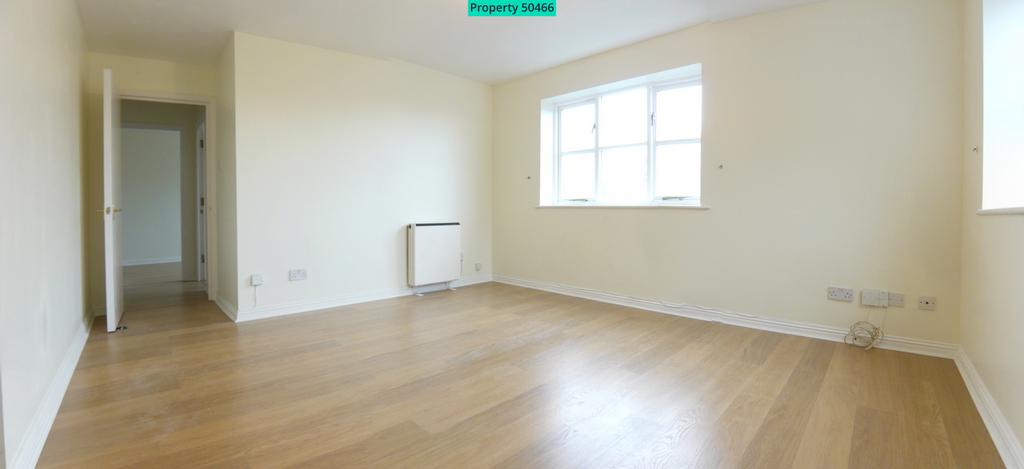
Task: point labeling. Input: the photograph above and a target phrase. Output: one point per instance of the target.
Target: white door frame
(209, 104)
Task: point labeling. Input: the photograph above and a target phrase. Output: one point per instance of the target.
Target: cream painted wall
(227, 239)
(336, 154)
(132, 75)
(992, 316)
(41, 238)
(839, 133)
(152, 195)
(185, 118)
(136, 74)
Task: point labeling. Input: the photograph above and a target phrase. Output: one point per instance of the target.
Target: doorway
(195, 277)
(163, 180)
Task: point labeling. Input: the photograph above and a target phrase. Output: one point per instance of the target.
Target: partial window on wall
(1003, 120)
(631, 143)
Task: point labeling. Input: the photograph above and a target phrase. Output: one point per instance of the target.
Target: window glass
(678, 113)
(576, 127)
(624, 174)
(677, 171)
(576, 176)
(623, 118)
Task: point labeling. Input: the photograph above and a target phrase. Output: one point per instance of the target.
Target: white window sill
(1001, 211)
(670, 206)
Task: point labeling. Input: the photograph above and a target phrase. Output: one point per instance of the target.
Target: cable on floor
(864, 334)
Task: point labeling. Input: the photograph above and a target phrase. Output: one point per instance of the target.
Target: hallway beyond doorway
(155, 286)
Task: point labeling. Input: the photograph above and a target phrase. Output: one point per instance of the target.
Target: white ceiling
(433, 33)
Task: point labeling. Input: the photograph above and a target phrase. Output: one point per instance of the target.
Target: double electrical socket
(840, 294)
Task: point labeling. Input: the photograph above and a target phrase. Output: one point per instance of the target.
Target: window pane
(576, 176)
(623, 118)
(678, 113)
(624, 174)
(677, 170)
(576, 127)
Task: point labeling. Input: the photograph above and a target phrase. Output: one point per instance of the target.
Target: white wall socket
(927, 303)
(255, 280)
(840, 294)
(478, 266)
(895, 300)
(296, 275)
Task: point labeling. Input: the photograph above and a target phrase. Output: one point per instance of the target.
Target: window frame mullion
(597, 149)
(557, 156)
(652, 113)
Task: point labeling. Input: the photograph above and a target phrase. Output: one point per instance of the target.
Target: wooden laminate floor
(499, 376)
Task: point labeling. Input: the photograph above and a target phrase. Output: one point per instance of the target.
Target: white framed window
(1002, 107)
(631, 143)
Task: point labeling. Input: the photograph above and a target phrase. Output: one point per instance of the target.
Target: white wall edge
(159, 260)
(228, 308)
(815, 331)
(286, 309)
(31, 446)
(999, 428)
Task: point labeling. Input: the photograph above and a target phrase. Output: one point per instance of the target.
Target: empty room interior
(531, 233)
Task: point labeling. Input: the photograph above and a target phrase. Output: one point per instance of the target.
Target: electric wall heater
(435, 253)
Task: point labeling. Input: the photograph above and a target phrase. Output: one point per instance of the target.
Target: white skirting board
(271, 311)
(1002, 434)
(27, 454)
(817, 331)
(999, 428)
(228, 308)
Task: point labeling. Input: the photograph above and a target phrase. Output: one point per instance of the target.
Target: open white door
(112, 200)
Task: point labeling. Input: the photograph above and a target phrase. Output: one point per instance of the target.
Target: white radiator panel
(435, 253)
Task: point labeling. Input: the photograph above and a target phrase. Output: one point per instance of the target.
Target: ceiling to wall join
(433, 33)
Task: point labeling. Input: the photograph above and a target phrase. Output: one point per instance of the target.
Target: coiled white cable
(864, 334)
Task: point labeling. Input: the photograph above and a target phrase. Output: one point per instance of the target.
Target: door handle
(109, 210)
